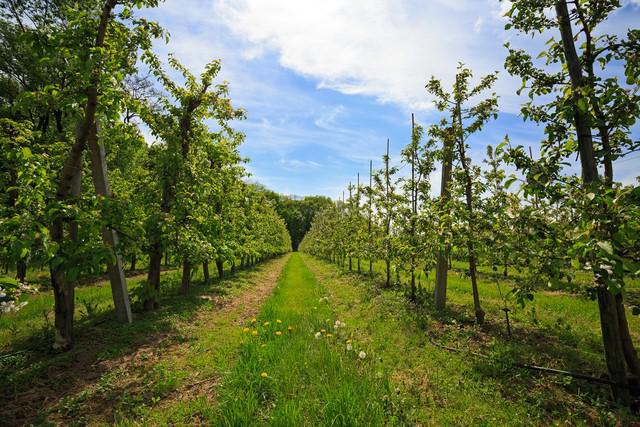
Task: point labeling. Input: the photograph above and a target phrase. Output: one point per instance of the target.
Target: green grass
(309, 381)
(454, 388)
(193, 363)
(124, 372)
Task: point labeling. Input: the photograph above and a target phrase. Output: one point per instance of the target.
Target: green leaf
(26, 153)
(606, 246)
(575, 263)
(582, 104)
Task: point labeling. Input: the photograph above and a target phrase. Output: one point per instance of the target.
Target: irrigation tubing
(576, 375)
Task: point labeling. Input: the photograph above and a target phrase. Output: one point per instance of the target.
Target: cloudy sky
(325, 83)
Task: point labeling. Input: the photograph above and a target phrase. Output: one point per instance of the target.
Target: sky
(325, 83)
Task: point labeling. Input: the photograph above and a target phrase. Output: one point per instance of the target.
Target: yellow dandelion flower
(254, 333)
(348, 341)
(323, 330)
(264, 375)
(329, 335)
(254, 320)
(279, 321)
(263, 345)
(245, 330)
(278, 333)
(290, 328)
(266, 323)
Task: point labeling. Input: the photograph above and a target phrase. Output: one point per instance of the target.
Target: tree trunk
(359, 265)
(185, 286)
(134, 259)
(233, 267)
(350, 265)
(220, 266)
(64, 303)
(63, 288)
(628, 349)
(21, 270)
(205, 272)
(609, 324)
(468, 190)
(506, 265)
(609, 319)
(440, 291)
(388, 279)
(414, 209)
(153, 278)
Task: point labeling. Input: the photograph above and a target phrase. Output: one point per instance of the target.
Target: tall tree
(186, 149)
(590, 114)
(464, 121)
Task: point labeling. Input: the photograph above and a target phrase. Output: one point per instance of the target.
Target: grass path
(304, 375)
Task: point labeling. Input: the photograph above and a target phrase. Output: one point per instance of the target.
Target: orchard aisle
(299, 365)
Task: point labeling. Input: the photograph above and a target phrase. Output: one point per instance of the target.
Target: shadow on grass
(556, 345)
(36, 380)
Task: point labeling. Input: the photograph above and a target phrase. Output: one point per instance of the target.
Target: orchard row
(82, 188)
(539, 219)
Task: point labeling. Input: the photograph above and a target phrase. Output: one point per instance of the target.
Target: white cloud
(383, 48)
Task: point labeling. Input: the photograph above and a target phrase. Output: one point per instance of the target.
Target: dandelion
(362, 355)
(323, 330)
(348, 341)
(349, 346)
(254, 320)
(278, 333)
(279, 321)
(266, 323)
(329, 335)
(318, 335)
(264, 375)
(245, 330)
(263, 345)
(254, 333)
(290, 328)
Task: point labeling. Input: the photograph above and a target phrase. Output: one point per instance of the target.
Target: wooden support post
(109, 235)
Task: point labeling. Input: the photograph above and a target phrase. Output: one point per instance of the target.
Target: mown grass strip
(303, 375)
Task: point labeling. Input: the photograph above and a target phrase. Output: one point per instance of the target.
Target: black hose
(576, 375)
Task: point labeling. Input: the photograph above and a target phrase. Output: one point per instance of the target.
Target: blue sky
(325, 83)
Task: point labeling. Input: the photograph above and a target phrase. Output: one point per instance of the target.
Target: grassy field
(298, 341)
(446, 388)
